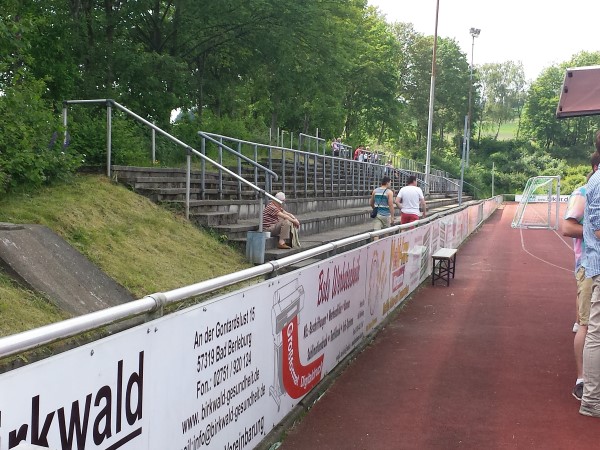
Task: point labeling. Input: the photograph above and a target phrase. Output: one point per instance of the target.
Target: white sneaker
(575, 327)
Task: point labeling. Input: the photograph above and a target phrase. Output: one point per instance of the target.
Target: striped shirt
(381, 201)
(591, 223)
(270, 214)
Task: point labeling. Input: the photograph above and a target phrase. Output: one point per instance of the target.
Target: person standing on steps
(383, 198)
(410, 199)
(278, 221)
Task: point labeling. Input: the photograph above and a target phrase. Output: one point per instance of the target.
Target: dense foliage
(240, 67)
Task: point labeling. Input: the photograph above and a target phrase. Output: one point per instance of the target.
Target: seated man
(278, 221)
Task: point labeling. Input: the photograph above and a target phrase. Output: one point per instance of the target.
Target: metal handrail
(361, 175)
(31, 339)
(473, 186)
(406, 172)
(239, 155)
(109, 103)
(316, 138)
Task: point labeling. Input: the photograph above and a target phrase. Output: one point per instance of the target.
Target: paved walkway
(484, 364)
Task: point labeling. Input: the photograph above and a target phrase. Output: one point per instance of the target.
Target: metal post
(493, 167)
(188, 182)
(462, 164)
(305, 175)
(65, 123)
(295, 172)
(220, 161)
(557, 201)
(317, 141)
(261, 208)
(256, 168)
(431, 98)
(474, 33)
(153, 146)
(203, 169)
(282, 167)
(108, 137)
(239, 169)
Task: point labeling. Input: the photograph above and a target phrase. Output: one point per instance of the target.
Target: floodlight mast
(431, 98)
(474, 33)
(464, 162)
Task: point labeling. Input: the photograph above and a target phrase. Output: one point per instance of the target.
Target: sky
(536, 32)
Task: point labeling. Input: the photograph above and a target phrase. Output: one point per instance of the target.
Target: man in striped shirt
(278, 221)
(590, 401)
(383, 198)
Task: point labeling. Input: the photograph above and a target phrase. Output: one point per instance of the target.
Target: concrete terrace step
(249, 209)
(326, 237)
(214, 219)
(310, 223)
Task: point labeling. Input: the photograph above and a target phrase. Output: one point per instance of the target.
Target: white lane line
(537, 257)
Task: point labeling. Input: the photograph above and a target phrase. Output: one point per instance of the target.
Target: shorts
(382, 222)
(408, 218)
(584, 296)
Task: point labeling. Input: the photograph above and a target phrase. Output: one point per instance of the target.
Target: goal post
(540, 204)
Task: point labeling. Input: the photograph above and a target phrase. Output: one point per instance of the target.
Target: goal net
(539, 205)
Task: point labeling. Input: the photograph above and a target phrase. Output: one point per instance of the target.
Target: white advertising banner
(542, 198)
(223, 373)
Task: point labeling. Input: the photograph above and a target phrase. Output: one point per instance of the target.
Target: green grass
(142, 246)
(507, 130)
(21, 309)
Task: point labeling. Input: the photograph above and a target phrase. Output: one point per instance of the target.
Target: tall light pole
(431, 97)
(464, 162)
(474, 33)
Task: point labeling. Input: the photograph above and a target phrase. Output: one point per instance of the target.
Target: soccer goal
(539, 205)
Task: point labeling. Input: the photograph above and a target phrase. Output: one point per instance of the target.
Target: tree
(539, 115)
(503, 92)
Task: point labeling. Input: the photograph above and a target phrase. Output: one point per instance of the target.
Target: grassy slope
(507, 131)
(141, 245)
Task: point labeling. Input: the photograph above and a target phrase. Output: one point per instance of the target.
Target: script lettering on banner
(90, 397)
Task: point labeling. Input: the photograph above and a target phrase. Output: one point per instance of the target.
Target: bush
(31, 146)
(130, 141)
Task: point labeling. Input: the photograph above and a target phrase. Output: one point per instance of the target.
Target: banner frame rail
(153, 304)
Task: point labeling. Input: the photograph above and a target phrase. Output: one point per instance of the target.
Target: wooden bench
(444, 264)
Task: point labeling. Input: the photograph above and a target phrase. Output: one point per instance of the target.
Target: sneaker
(578, 391)
(589, 410)
(575, 327)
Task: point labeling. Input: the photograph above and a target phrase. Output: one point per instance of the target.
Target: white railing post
(188, 182)
(108, 137)
(65, 123)
(153, 146)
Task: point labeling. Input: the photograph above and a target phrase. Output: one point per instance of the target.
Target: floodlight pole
(462, 165)
(431, 97)
(474, 33)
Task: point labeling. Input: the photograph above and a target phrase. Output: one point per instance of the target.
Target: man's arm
(572, 228)
(390, 197)
(423, 206)
(399, 201)
(288, 216)
(372, 200)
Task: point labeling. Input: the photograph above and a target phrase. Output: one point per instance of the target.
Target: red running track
(486, 363)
